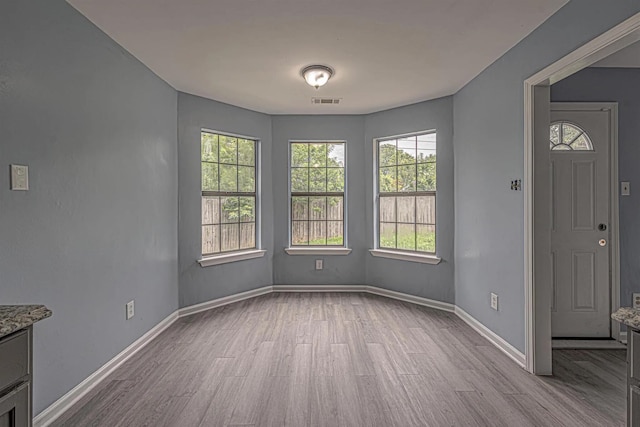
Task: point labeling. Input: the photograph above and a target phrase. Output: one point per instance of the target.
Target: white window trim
(413, 256)
(241, 254)
(406, 256)
(209, 261)
(316, 250)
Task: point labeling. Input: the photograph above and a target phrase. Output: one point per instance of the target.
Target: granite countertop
(16, 317)
(627, 316)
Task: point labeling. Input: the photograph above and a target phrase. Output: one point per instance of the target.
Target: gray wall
(488, 152)
(99, 226)
(621, 85)
(429, 281)
(199, 284)
(300, 269)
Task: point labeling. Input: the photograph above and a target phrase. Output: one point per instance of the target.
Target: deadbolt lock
(602, 227)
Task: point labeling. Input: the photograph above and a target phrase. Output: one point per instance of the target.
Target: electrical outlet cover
(494, 301)
(636, 300)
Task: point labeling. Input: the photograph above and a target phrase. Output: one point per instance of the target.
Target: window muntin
(564, 136)
(317, 183)
(228, 166)
(406, 187)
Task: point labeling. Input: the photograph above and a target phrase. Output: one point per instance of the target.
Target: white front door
(580, 277)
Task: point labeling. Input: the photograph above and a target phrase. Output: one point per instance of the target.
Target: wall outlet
(636, 300)
(130, 309)
(494, 301)
(19, 177)
(319, 264)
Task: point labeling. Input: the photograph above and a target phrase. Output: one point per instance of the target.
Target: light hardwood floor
(345, 359)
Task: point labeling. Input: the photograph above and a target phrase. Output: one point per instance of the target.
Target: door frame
(614, 199)
(538, 352)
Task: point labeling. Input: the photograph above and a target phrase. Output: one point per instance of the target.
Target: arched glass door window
(567, 136)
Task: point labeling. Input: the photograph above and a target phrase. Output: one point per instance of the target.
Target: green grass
(331, 241)
(407, 241)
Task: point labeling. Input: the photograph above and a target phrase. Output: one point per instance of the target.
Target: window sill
(231, 257)
(406, 256)
(318, 251)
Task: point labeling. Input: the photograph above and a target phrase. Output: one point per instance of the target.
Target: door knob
(602, 242)
(602, 227)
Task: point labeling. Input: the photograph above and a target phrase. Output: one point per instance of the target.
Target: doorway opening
(582, 171)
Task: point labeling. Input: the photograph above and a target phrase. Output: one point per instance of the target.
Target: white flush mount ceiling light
(316, 75)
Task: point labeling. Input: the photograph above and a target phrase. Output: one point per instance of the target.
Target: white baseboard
(494, 338)
(444, 306)
(219, 302)
(58, 407)
(319, 288)
(623, 337)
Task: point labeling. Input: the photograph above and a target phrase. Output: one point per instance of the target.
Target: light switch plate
(19, 177)
(625, 188)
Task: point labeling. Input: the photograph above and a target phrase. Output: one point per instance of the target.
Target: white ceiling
(629, 57)
(385, 53)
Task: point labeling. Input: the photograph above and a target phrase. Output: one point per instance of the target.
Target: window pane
(209, 147)
(299, 155)
(246, 152)
(427, 177)
(209, 176)
(300, 208)
(246, 179)
(228, 149)
(554, 133)
(387, 179)
(387, 235)
(299, 233)
(210, 239)
(335, 179)
(407, 178)
(228, 178)
(425, 156)
(335, 208)
(406, 209)
(426, 209)
(210, 210)
(426, 235)
(569, 133)
(318, 208)
(317, 233)
(230, 237)
(318, 179)
(388, 209)
(247, 236)
(247, 209)
(387, 153)
(299, 180)
(335, 155)
(335, 231)
(406, 150)
(407, 237)
(317, 155)
(230, 209)
(427, 142)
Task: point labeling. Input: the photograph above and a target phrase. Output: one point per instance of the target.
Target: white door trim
(614, 200)
(537, 313)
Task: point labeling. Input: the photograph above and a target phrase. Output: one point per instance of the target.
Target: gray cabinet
(15, 379)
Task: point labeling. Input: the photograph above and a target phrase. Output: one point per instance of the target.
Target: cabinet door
(14, 408)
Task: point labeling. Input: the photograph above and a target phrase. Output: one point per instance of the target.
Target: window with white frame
(228, 165)
(317, 182)
(406, 193)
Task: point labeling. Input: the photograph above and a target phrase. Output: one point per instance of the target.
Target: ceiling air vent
(325, 101)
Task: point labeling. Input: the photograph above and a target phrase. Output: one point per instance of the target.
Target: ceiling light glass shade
(317, 75)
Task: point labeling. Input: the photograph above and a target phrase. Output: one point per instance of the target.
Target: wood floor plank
(344, 359)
